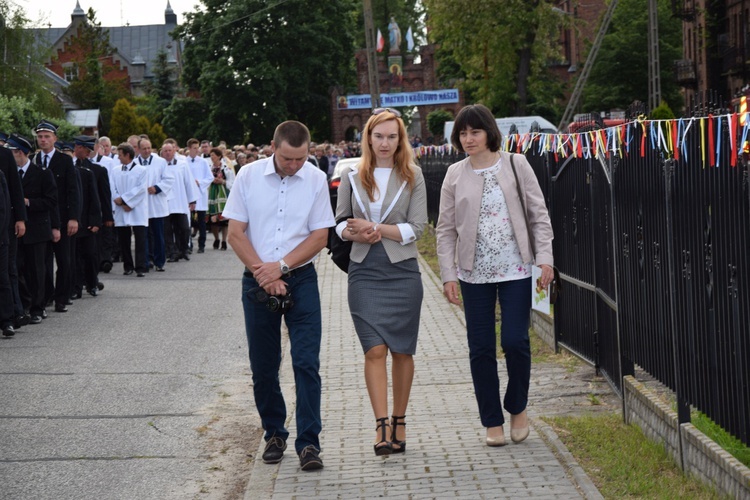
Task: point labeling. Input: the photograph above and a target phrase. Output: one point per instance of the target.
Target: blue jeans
(479, 307)
(263, 329)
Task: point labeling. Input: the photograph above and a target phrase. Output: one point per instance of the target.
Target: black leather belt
(298, 270)
(291, 273)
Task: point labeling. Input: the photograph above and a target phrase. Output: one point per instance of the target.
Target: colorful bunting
(670, 138)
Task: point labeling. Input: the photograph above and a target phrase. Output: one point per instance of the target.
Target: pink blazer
(461, 201)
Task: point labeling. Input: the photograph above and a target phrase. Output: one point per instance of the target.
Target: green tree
(18, 114)
(257, 63)
(157, 135)
(93, 89)
(620, 73)
(21, 115)
(485, 42)
(662, 112)
(21, 61)
(124, 121)
(159, 91)
(436, 121)
(185, 118)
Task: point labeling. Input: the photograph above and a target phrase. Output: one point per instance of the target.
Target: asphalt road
(118, 398)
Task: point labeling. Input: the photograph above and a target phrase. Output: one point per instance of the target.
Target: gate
(581, 210)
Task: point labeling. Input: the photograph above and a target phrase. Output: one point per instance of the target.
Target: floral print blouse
(497, 257)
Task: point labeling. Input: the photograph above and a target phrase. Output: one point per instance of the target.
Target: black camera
(274, 303)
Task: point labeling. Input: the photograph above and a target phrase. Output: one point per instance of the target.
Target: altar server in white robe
(129, 183)
(160, 181)
(203, 179)
(182, 199)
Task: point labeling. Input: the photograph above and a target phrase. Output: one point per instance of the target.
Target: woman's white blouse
(497, 257)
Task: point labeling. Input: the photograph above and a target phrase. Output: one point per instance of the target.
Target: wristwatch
(284, 267)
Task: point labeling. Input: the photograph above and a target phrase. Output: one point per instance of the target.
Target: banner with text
(401, 99)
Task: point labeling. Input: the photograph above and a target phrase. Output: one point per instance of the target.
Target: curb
(574, 470)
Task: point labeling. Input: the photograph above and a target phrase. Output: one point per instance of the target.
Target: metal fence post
(683, 409)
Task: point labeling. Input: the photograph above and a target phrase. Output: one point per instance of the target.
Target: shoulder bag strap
(523, 205)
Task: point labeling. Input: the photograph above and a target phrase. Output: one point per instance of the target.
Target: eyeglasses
(377, 111)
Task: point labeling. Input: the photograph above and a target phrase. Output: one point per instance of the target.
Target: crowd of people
(72, 210)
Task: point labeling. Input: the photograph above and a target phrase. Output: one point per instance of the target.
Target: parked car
(335, 180)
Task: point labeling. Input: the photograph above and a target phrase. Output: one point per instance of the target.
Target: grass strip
(622, 462)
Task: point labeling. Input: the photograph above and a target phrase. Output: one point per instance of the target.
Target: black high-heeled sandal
(395, 442)
(384, 447)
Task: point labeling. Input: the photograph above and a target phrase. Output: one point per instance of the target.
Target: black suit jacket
(4, 210)
(102, 186)
(68, 186)
(91, 210)
(40, 189)
(9, 168)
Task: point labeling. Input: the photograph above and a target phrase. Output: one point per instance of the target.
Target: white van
(523, 123)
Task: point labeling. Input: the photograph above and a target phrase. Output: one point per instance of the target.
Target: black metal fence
(654, 253)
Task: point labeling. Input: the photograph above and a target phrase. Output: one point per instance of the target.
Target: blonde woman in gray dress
(382, 209)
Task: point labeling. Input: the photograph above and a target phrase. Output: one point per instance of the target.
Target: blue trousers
(263, 329)
(479, 300)
(155, 244)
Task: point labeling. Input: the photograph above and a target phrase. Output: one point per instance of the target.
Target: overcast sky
(108, 12)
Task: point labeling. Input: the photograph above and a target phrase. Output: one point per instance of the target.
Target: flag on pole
(381, 41)
(409, 40)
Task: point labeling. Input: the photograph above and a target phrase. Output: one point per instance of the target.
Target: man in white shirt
(203, 179)
(279, 213)
(160, 182)
(130, 196)
(181, 200)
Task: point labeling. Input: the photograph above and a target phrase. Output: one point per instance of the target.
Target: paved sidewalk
(446, 456)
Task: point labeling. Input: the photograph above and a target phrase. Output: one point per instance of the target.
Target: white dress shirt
(203, 178)
(280, 213)
(130, 182)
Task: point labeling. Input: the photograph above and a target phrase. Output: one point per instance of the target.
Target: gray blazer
(410, 208)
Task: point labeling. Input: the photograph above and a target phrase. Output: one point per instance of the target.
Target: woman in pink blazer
(483, 247)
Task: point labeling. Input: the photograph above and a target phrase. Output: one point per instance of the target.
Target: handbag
(339, 249)
(555, 284)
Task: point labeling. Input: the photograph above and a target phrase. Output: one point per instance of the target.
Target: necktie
(20, 173)
(46, 160)
(78, 163)
(124, 168)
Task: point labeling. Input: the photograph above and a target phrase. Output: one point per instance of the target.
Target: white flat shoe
(495, 441)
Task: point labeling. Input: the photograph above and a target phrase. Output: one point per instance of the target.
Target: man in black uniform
(16, 226)
(6, 296)
(43, 226)
(106, 241)
(87, 261)
(69, 207)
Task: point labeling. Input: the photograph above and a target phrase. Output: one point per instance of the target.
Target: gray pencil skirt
(385, 300)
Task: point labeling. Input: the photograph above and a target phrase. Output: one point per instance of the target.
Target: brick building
(135, 50)
(716, 47)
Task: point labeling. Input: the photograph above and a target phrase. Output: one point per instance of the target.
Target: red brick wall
(74, 52)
